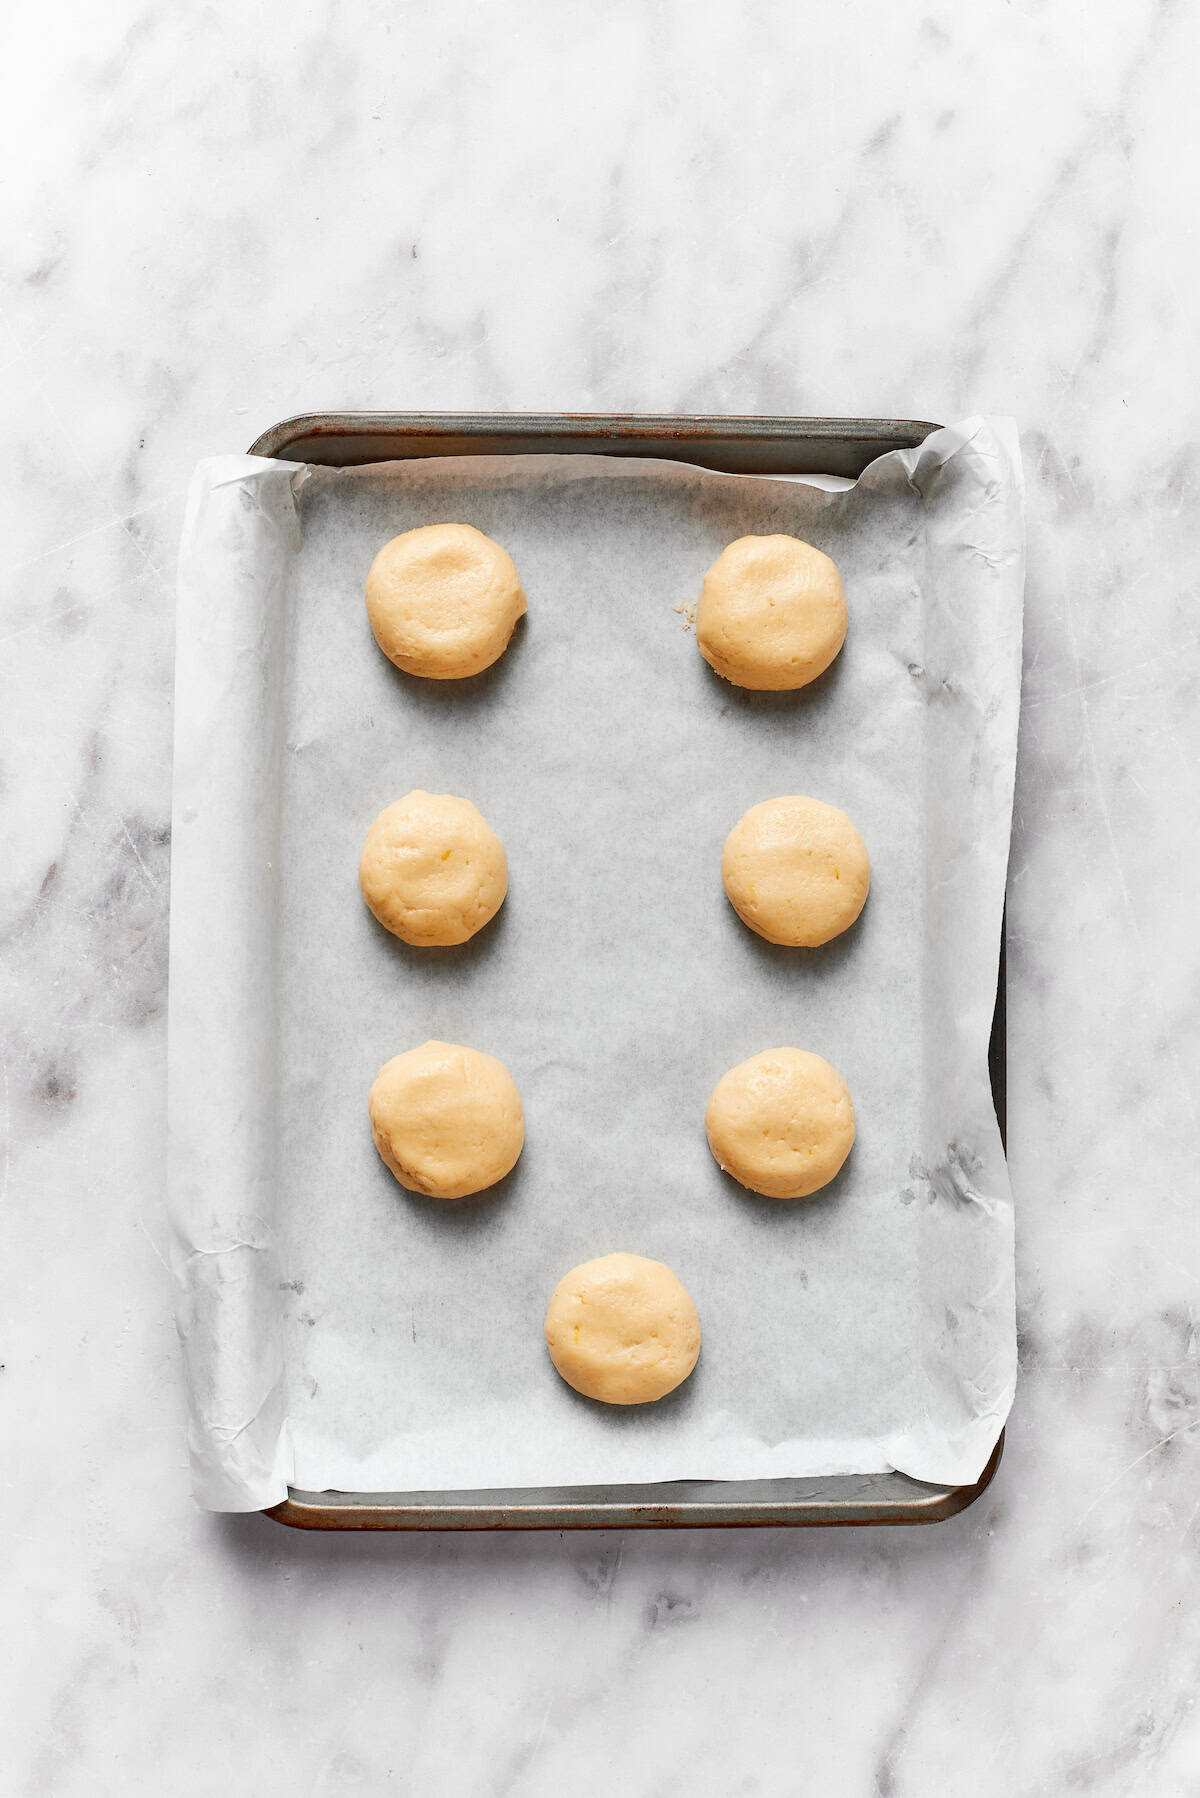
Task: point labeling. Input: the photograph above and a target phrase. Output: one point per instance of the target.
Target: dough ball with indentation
(781, 1123)
(447, 1120)
(796, 870)
(772, 613)
(432, 869)
(443, 600)
(622, 1329)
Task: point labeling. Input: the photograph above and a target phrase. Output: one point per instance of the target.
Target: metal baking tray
(841, 446)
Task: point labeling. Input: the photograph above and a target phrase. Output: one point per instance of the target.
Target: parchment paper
(341, 1333)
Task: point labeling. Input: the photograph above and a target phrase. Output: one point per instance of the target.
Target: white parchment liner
(339, 1332)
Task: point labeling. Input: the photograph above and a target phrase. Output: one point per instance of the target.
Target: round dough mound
(781, 1123)
(446, 1120)
(443, 600)
(796, 871)
(433, 869)
(772, 613)
(622, 1329)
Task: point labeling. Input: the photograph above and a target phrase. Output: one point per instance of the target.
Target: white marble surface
(217, 216)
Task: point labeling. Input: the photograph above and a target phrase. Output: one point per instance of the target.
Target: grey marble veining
(216, 218)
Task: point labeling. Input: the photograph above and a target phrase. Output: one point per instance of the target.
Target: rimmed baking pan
(769, 446)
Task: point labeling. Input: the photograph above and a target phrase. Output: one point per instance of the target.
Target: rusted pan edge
(882, 1498)
(842, 446)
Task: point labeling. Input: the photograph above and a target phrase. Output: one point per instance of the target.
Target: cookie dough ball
(447, 1120)
(772, 613)
(781, 1123)
(443, 600)
(796, 871)
(432, 869)
(622, 1329)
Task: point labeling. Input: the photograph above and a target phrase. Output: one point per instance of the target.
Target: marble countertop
(218, 217)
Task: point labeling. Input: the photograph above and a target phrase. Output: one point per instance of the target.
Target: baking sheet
(340, 1333)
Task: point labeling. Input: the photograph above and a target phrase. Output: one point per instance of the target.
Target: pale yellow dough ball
(796, 870)
(622, 1329)
(772, 613)
(432, 869)
(443, 600)
(781, 1123)
(447, 1120)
